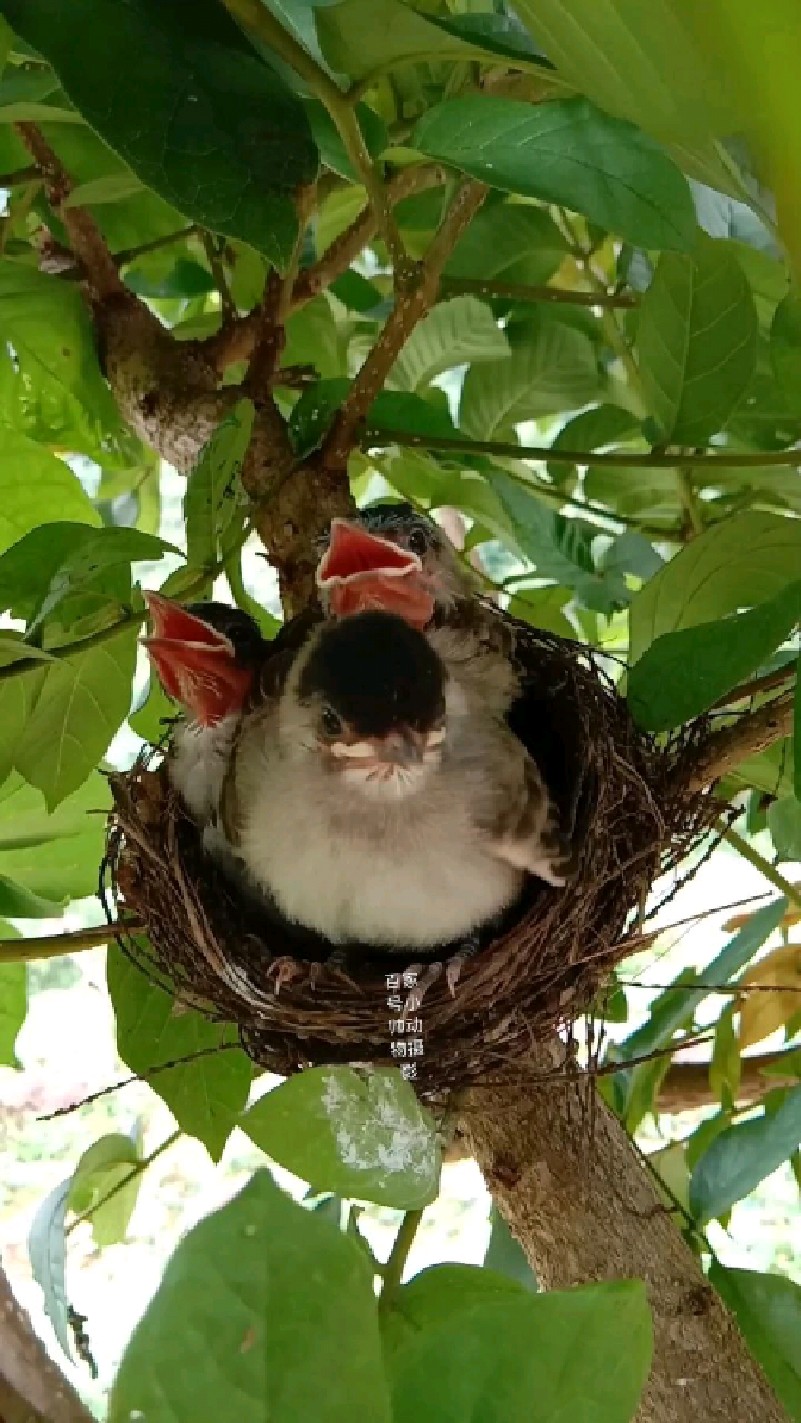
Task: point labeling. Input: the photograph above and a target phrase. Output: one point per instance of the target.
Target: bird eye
(418, 541)
(331, 722)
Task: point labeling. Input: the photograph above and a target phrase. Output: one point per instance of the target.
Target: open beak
(195, 664)
(360, 570)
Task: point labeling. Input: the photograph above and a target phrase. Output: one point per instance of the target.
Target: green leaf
(297, 1338)
(785, 350)
(784, 823)
(219, 135)
(50, 382)
(54, 856)
(697, 341)
(566, 152)
(578, 1354)
(636, 61)
(213, 491)
(13, 1006)
(505, 1254)
(332, 150)
(112, 188)
(439, 1292)
(746, 559)
(33, 483)
(84, 698)
(58, 561)
(359, 36)
(101, 1169)
(499, 34)
(363, 1137)
(595, 429)
(47, 1254)
(17, 902)
(459, 332)
(744, 1155)
(551, 367)
(509, 240)
(725, 1068)
(206, 1093)
(396, 410)
(684, 673)
(768, 1311)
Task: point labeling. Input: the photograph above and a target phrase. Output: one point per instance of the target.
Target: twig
(19, 176)
(686, 1085)
(214, 259)
(768, 683)
(411, 304)
(85, 236)
(54, 945)
(380, 435)
(516, 291)
(135, 1171)
(392, 1270)
(726, 749)
(746, 849)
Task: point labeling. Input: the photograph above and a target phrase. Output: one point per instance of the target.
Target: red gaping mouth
(196, 665)
(360, 570)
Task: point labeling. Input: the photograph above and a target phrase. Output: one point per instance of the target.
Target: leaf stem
(518, 291)
(392, 1270)
(136, 1171)
(256, 18)
(53, 945)
(746, 849)
(379, 435)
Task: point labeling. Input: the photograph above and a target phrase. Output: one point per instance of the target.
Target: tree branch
(686, 1085)
(724, 750)
(377, 435)
(516, 291)
(85, 236)
(578, 1198)
(32, 1388)
(411, 303)
(54, 946)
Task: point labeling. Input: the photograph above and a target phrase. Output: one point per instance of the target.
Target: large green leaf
(458, 332)
(58, 561)
(55, 856)
(743, 560)
(684, 673)
(518, 242)
(218, 135)
(361, 1136)
(84, 698)
(566, 152)
(768, 1311)
(50, 383)
(744, 1155)
(360, 36)
(635, 60)
(297, 1338)
(551, 367)
(697, 341)
(33, 485)
(206, 1093)
(213, 491)
(579, 1354)
(437, 1293)
(505, 1254)
(784, 823)
(13, 1005)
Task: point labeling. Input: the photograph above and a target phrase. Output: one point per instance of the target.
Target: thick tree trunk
(32, 1388)
(583, 1206)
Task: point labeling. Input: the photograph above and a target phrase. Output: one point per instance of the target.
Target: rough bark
(32, 1389)
(583, 1206)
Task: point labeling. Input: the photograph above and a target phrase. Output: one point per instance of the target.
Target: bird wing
(519, 819)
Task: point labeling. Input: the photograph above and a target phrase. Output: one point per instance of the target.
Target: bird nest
(619, 793)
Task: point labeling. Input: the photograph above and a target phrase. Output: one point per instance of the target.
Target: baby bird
(372, 803)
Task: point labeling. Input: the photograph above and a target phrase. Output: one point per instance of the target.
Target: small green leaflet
(33, 483)
(684, 673)
(213, 492)
(13, 1001)
(567, 152)
(97, 1186)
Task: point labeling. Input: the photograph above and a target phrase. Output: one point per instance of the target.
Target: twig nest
(615, 787)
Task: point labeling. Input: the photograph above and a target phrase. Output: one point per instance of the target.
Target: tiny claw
(284, 969)
(417, 994)
(454, 966)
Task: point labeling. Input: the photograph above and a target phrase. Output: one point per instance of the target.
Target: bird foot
(454, 966)
(284, 969)
(430, 973)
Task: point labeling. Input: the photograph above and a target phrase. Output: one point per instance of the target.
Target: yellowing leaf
(763, 1011)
